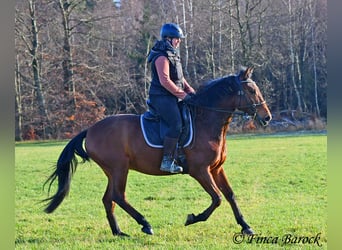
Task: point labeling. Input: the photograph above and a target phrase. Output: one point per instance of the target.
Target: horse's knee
(216, 199)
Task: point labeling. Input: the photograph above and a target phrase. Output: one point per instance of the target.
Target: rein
(254, 105)
(240, 93)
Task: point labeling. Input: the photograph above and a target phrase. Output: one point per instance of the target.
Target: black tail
(66, 166)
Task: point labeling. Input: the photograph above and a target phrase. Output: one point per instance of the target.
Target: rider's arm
(163, 69)
(187, 88)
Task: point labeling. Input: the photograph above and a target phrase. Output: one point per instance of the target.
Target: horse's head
(217, 95)
(250, 99)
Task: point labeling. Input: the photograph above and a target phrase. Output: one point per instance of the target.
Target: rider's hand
(188, 98)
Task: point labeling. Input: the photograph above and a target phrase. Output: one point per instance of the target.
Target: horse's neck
(213, 125)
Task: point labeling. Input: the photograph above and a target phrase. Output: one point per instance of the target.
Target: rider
(168, 87)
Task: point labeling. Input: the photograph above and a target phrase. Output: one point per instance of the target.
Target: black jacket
(164, 48)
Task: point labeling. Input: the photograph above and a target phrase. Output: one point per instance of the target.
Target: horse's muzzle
(264, 121)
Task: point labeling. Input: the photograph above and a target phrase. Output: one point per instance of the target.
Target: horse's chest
(219, 151)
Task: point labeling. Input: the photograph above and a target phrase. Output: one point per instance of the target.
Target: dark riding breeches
(167, 108)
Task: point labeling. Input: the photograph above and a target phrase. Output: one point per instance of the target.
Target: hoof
(147, 230)
(247, 231)
(190, 219)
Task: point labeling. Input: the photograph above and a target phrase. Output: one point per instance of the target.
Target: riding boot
(168, 163)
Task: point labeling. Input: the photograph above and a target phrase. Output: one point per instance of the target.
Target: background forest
(78, 61)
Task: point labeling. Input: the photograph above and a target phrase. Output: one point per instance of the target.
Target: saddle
(154, 128)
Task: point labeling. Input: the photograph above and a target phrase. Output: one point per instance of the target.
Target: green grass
(280, 184)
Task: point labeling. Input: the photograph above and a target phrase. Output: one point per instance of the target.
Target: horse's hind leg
(109, 205)
(119, 186)
(223, 184)
(115, 194)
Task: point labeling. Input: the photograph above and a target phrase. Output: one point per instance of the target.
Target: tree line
(78, 61)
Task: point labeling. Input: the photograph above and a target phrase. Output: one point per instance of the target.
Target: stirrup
(169, 165)
(175, 168)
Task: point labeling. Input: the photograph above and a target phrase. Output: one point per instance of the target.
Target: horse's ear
(248, 73)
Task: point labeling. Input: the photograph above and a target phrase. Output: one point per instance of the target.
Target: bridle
(253, 106)
(240, 93)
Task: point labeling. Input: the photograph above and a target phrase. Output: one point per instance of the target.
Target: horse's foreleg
(207, 182)
(223, 184)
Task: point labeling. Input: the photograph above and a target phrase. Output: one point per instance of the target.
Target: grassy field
(280, 184)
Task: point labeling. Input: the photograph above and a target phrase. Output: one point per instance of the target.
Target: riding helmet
(171, 30)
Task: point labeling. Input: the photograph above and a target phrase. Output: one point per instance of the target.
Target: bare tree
(292, 51)
(81, 58)
(312, 8)
(18, 101)
(66, 8)
(28, 32)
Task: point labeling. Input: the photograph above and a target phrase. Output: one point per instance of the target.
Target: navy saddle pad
(154, 129)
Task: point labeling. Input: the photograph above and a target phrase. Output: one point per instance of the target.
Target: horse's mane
(213, 91)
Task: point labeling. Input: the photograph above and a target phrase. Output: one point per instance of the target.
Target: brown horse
(116, 144)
